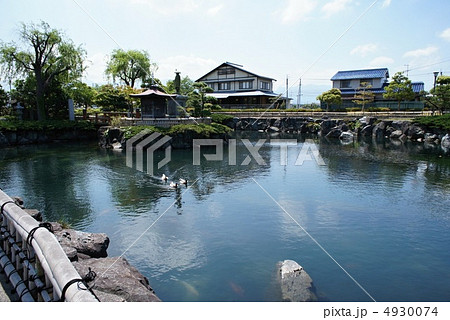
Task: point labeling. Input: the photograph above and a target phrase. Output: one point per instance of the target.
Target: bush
(15, 125)
(220, 118)
(438, 122)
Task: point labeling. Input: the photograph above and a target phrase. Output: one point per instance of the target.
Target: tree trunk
(40, 101)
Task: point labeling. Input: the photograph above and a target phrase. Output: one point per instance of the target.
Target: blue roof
(361, 74)
(418, 86)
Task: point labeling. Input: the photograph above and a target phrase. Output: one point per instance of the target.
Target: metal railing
(33, 260)
(163, 122)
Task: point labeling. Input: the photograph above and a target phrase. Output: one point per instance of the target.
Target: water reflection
(219, 237)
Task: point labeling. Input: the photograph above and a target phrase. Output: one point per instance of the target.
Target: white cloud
(445, 34)
(215, 10)
(421, 52)
(193, 67)
(386, 3)
(364, 49)
(296, 10)
(96, 65)
(335, 6)
(381, 61)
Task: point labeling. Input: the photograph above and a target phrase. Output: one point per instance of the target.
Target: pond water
(376, 212)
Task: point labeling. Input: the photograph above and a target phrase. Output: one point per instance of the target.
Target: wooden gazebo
(154, 103)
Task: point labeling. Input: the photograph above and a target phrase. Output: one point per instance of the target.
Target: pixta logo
(151, 142)
(308, 151)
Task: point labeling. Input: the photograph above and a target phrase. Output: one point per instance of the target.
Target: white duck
(183, 181)
(173, 185)
(164, 177)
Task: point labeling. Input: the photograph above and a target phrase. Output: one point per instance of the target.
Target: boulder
(93, 245)
(415, 132)
(334, 133)
(273, 129)
(366, 131)
(347, 136)
(378, 131)
(396, 134)
(326, 126)
(296, 284)
(117, 280)
(445, 142)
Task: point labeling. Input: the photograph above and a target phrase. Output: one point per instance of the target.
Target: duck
(164, 177)
(173, 185)
(183, 181)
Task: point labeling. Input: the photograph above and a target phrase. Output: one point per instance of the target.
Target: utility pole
(287, 91)
(407, 70)
(299, 96)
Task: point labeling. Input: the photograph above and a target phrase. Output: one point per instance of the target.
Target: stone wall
(21, 137)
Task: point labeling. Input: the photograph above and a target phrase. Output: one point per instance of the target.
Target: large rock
(117, 280)
(445, 142)
(296, 284)
(347, 136)
(326, 126)
(378, 131)
(396, 134)
(334, 133)
(93, 245)
(415, 132)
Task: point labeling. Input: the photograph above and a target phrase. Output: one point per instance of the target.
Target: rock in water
(117, 280)
(296, 284)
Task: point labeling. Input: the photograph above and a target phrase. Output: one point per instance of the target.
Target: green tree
(441, 94)
(116, 99)
(130, 66)
(82, 94)
(47, 56)
(400, 89)
(197, 99)
(187, 86)
(364, 96)
(330, 97)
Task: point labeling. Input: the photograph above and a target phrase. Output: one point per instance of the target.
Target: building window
(345, 84)
(368, 82)
(224, 86)
(246, 85)
(265, 85)
(226, 70)
(211, 85)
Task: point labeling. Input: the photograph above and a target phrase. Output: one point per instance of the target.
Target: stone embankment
(116, 280)
(27, 137)
(346, 130)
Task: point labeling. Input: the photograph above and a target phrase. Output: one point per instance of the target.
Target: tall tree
(364, 96)
(130, 66)
(46, 55)
(441, 93)
(332, 96)
(400, 89)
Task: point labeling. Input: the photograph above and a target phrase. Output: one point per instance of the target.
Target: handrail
(50, 257)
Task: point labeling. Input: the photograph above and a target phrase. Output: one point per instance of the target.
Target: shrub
(438, 122)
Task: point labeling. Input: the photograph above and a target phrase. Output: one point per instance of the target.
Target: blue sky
(300, 38)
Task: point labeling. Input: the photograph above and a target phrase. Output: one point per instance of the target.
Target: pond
(371, 221)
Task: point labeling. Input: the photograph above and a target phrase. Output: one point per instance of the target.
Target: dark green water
(381, 211)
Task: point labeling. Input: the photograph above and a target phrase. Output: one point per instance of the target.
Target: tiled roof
(236, 66)
(418, 86)
(361, 74)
